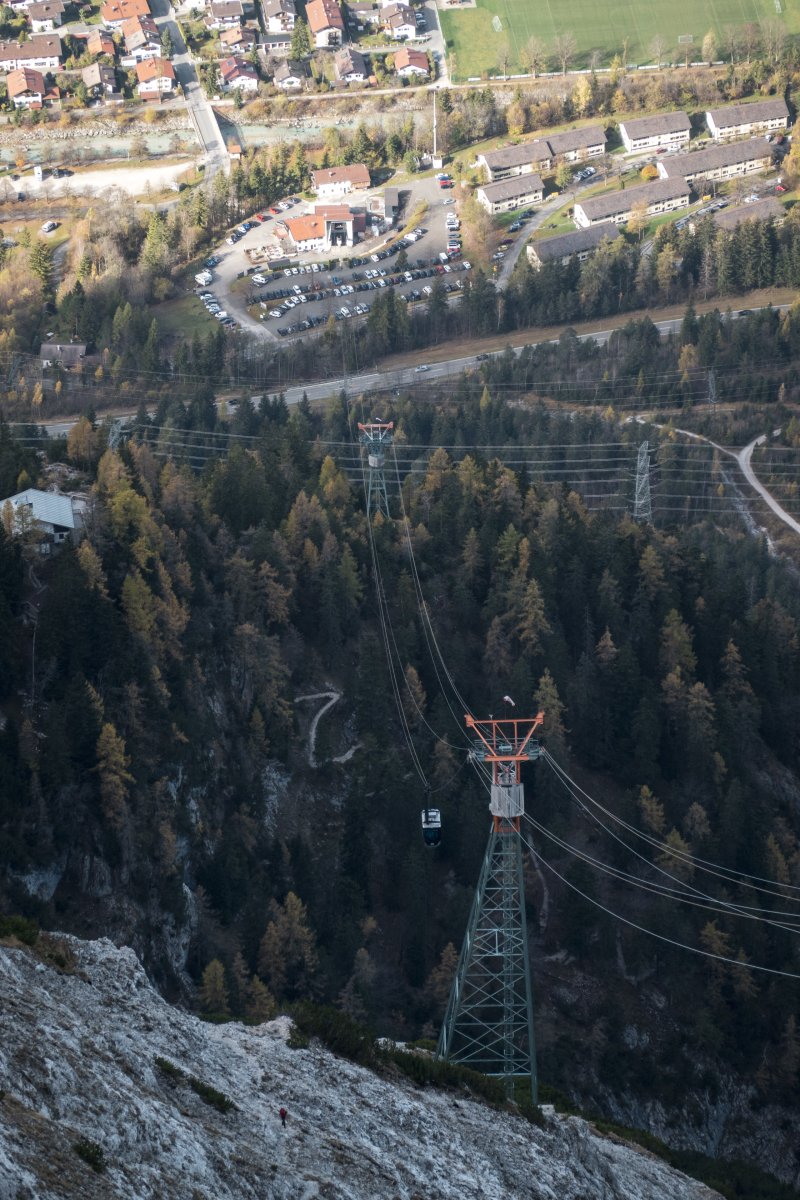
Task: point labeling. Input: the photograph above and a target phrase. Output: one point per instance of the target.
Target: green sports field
(476, 36)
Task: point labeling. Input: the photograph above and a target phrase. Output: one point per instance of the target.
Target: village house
(101, 43)
(41, 53)
(398, 20)
(115, 12)
(236, 74)
(350, 66)
(516, 192)
(742, 120)
(46, 518)
(224, 14)
(410, 63)
(239, 40)
(666, 129)
(340, 181)
(99, 79)
(289, 76)
(142, 40)
(724, 161)
(664, 195)
(576, 145)
(279, 15)
(155, 78)
(326, 23)
(45, 15)
(580, 244)
(361, 13)
(26, 88)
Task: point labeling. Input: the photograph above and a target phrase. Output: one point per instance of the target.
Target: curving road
(743, 458)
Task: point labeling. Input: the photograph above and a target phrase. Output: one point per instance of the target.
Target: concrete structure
(236, 74)
(399, 21)
(509, 194)
(325, 22)
(279, 15)
(566, 246)
(665, 129)
(41, 53)
(723, 161)
(289, 76)
(45, 15)
(340, 181)
(26, 88)
(62, 354)
(350, 66)
(410, 63)
(47, 516)
(740, 120)
(664, 195)
(276, 43)
(115, 12)
(155, 78)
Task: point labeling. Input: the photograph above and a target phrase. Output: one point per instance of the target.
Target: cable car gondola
(431, 826)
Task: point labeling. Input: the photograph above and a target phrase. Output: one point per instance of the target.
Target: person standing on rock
(283, 1115)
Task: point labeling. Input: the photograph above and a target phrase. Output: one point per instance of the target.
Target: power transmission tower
(376, 436)
(488, 1025)
(115, 434)
(642, 507)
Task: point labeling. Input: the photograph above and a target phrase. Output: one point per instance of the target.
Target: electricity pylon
(488, 1024)
(376, 436)
(642, 507)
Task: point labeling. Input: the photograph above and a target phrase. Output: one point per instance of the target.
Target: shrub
(20, 928)
(168, 1068)
(211, 1096)
(91, 1153)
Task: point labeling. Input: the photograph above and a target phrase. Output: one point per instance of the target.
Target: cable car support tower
(488, 1025)
(376, 436)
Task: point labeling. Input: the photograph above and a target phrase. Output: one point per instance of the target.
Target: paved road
(743, 458)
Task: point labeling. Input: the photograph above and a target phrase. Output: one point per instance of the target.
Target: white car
(422, 367)
(259, 279)
(49, 226)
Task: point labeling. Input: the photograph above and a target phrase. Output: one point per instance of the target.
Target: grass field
(474, 39)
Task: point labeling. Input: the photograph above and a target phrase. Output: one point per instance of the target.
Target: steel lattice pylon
(376, 436)
(642, 507)
(488, 1025)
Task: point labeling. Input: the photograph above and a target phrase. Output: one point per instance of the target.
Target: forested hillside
(154, 771)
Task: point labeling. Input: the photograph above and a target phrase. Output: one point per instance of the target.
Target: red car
(446, 183)
(274, 209)
(262, 217)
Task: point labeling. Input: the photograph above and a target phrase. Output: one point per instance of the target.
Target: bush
(91, 1153)
(338, 1032)
(169, 1068)
(20, 928)
(210, 1095)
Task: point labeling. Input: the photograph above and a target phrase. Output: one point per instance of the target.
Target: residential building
(663, 195)
(362, 13)
(239, 40)
(276, 43)
(41, 53)
(768, 209)
(350, 66)
(62, 354)
(726, 160)
(665, 129)
(236, 74)
(575, 145)
(522, 159)
(45, 15)
(566, 246)
(115, 12)
(325, 22)
(224, 14)
(289, 75)
(99, 79)
(741, 120)
(279, 15)
(398, 20)
(327, 226)
(142, 39)
(155, 78)
(99, 43)
(340, 181)
(509, 194)
(26, 88)
(48, 517)
(410, 63)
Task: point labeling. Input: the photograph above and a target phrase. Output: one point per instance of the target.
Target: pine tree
(287, 956)
(214, 990)
(112, 769)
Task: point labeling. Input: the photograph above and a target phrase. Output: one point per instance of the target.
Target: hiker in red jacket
(283, 1115)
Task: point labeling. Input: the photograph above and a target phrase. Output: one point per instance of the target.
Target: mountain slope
(77, 1058)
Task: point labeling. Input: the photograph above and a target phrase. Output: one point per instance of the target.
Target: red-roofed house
(237, 74)
(142, 39)
(26, 88)
(237, 40)
(411, 62)
(41, 53)
(99, 42)
(326, 23)
(114, 12)
(329, 225)
(338, 181)
(156, 78)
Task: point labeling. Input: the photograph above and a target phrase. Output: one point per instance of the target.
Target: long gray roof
(698, 162)
(517, 156)
(745, 114)
(611, 203)
(507, 189)
(48, 507)
(657, 126)
(574, 243)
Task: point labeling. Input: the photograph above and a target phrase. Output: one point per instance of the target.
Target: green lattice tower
(488, 1025)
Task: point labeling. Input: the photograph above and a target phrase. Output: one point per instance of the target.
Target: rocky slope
(77, 1059)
